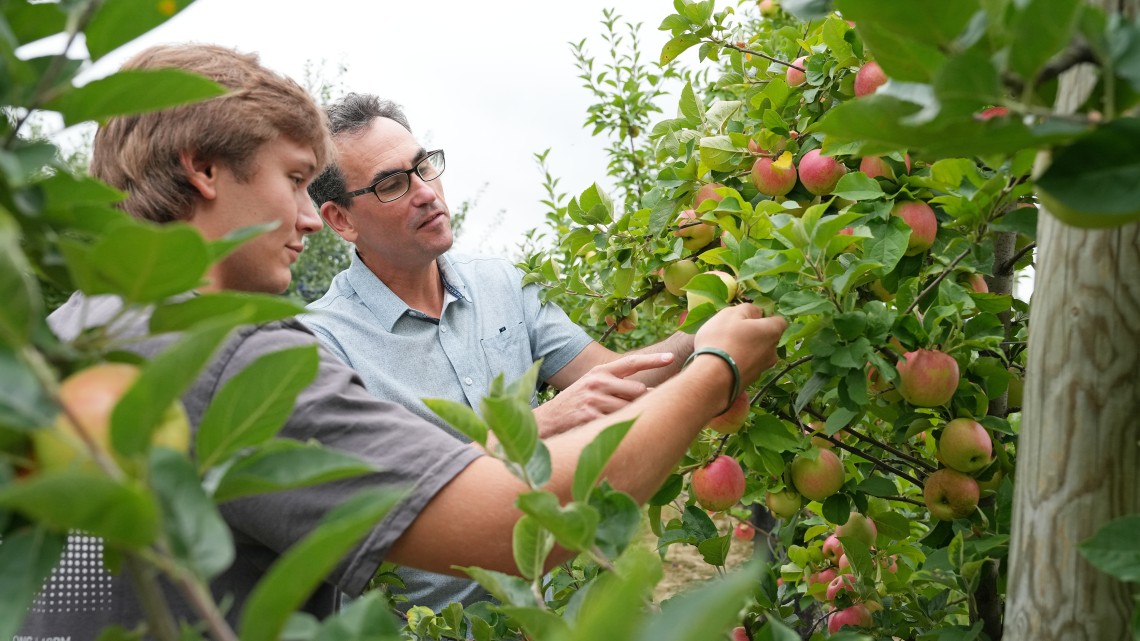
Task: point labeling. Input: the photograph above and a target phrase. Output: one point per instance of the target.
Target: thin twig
(941, 277)
(794, 364)
(1007, 267)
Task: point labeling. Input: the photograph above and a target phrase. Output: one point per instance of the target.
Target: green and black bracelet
(727, 359)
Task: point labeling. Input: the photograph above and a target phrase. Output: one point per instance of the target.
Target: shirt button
(469, 381)
(443, 329)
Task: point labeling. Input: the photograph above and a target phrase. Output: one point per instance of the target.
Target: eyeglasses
(396, 184)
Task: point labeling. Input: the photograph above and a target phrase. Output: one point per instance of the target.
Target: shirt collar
(385, 305)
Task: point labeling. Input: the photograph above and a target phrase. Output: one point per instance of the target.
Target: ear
(339, 220)
(202, 173)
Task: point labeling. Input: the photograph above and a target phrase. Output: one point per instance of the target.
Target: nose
(308, 220)
(422, 192)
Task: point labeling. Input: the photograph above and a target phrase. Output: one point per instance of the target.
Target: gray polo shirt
(490, 323)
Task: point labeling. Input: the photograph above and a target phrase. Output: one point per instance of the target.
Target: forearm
(679, 344)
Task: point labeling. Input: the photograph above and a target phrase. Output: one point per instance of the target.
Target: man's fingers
(631, 364)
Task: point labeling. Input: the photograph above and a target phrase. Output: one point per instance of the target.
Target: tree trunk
(1078, 451)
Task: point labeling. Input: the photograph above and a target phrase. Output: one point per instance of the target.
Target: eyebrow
(384, 173)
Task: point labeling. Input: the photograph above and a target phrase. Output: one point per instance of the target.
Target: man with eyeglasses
(419, 321)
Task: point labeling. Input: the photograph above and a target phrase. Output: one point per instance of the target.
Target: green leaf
(770, 433)
(715, 550)
(809, 391)
(619, 520)
(294, 576)
(145, 263)
(121, 513)
(19, 291)
(878, 486)
(146, 405)
(512, 422)
(254, 404)
(889, 244)
(132, 92)
(676, 46)
(773, 630)
(197, 535)
(703, 612)
(612, 606)
(1114, 550)
(117, 23)
(538, 468)
(573, 525)
(1093, 182)
(461, 417)
(719, 153)
(893, 525)
(281, 465)
(30, 22)
(508, 589)
(594, 457)
(531, 544)
(28, 557)
(668, 491)
(255, 309)
(368, 618)
(538, 624)
(24, 404)
(858, 186)
(1042, 31)
(937, 24)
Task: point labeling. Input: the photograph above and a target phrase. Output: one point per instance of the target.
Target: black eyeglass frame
(406, 172)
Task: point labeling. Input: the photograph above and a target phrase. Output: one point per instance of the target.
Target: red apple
(819, 174)
(744, 532)
(840, 584)
(719, 485)
(733, 418)
(823, 577)
(875, 167)
(832, 548)
(820, 477)
(856, 616)
(950, 494)
(927, 377)
(696, 233)
(993, 112)
(707, 192)
(774, 178)
(740, 634)
(869, 78)
(922, 222)
(794, 76)
(977, 283)
(965, 445)
(783, 504)
(768, 8)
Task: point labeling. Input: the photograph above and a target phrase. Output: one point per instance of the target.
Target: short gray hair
(348, 117)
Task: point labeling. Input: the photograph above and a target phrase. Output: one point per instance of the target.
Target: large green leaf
(461, 417)
(532, 544)
(85, 500)
(538, 624)
(678, 45)
(254, 308)
(19, 291)
(937, 23)
(255, 403)
(612, 606)
(1114, 550)
(506, 588)
(619, 520)
(145, 406)
(704, 612)
(196, 533)
(24, 404)
(30, 22)
(132, 92)
(1041, 31)
(573, 525)
(368, 618)
(117, 23)
(594, 458)
(144, 263)
(294, 575)
(512, 421)
(27, 557)
(281, 465)
(1095, 182)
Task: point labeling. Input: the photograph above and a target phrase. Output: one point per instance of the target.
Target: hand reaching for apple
(747, 336)
(602, 390)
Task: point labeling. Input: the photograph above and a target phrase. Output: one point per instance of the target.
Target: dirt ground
(685, 568)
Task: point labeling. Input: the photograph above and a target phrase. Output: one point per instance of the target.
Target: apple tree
(880, 176)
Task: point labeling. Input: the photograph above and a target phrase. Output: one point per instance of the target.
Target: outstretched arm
(470, 521)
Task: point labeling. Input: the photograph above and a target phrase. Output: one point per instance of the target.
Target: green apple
(783, 504)
(950, 494)
(696, 233)
(678, 274)
(730, 284)
(859, 527)
(819, 477)
(965, 445)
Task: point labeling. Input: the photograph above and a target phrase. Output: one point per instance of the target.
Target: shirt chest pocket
(507, 352)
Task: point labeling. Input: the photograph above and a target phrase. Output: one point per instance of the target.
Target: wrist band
(731, 364)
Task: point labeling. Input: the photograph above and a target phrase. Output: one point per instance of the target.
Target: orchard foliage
(963, 127)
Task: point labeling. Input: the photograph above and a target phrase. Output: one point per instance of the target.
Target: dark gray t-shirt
(81, 598)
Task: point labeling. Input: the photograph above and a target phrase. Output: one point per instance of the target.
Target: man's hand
(602, 390)
(743, 332)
